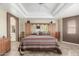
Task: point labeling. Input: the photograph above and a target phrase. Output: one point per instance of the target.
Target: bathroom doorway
(12, 27)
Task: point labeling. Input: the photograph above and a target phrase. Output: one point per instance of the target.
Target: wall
(40, 20)
(60, 28)
(43, 28)
(21, 25)
(3, 29)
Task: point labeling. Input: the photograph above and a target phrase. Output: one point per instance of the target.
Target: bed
(39, 42)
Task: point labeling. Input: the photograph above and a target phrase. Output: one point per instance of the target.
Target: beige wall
(21, 25)
(40, 20)
(3, 29)
(60, 28)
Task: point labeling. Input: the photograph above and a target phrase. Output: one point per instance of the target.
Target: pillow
(34, 33)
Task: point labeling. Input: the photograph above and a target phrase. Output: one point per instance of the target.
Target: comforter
(38, 42)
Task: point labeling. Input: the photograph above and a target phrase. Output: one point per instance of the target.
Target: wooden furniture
(50, 28)
(27, 28)
(57, 35)
(5, 45)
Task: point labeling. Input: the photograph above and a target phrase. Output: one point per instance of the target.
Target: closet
(71, 29)
(27, 28)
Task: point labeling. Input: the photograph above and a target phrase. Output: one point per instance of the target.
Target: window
(71, 27)
(41, 27)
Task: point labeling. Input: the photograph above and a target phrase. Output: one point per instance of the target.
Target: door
(12, 27)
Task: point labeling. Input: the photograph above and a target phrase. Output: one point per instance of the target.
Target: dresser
(5, 45)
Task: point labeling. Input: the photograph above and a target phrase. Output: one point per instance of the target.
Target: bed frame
(45, 43)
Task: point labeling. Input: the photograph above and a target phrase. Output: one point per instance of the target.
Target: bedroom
(42, 22)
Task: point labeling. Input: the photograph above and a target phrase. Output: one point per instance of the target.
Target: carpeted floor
(66, 48)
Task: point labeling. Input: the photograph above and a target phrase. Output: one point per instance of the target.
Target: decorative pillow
(34, 33)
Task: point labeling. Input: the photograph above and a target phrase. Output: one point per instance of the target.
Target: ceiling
(41, 10)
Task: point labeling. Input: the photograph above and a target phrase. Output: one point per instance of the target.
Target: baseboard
(70, 43)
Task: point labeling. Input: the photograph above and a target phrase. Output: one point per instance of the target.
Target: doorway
(12, 27)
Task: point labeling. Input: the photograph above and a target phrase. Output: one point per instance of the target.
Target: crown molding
(23, 9)
(63, 9)
(17, 8)
(58, 9)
